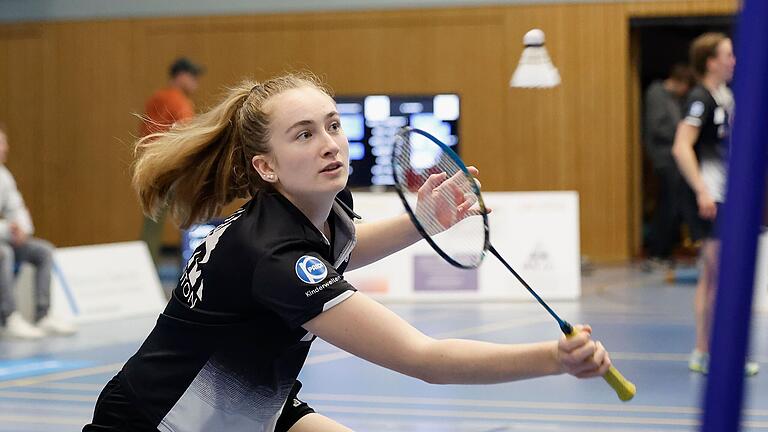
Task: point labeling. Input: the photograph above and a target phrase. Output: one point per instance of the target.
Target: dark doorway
(660, 43)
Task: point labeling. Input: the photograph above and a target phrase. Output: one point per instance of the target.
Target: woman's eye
(335, 126)
(304, 135)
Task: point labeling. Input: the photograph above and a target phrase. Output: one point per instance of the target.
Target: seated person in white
(17, 246)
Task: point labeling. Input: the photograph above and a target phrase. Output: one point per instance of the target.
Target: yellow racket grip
(624, 388)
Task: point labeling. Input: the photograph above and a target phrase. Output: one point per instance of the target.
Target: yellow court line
(479, 403)
(68, 386)
(664, 357)
(18, 407)
(43, 420)
(48, 396)
(519, 417)
(491, 403)
(114, 367)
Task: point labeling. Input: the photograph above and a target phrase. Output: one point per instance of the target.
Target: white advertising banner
(108, 281)
(536, 232)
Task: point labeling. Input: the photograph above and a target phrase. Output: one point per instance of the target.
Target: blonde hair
(199, 166)
(702, 49)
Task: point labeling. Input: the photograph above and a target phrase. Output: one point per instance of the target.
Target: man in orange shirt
(169, 105)
(172, 103)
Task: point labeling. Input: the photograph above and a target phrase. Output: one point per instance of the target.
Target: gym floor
(646, 324)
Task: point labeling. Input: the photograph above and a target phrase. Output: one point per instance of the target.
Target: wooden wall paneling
(89, 190)
(21, 75)
(386, 56)
(87, 77)
(573, 136)
(681, 8)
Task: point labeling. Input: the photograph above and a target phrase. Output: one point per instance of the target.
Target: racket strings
(441, 195)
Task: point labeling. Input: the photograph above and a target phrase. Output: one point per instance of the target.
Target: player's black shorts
(115, 412)
(703, 229)
(293, 410)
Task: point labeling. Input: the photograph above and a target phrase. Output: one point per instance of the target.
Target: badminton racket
(444, 202)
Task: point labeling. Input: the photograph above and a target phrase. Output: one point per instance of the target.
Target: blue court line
(67, 289)
(13, 369)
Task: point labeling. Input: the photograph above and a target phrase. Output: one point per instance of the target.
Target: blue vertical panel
(740, 223)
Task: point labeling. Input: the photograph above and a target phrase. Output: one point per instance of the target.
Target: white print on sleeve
(191, 280)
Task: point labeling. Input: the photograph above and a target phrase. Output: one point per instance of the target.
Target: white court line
(517, 417)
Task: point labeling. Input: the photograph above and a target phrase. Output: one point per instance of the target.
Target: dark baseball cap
(184, 64)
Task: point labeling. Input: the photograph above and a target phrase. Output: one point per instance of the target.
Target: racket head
(417, 158)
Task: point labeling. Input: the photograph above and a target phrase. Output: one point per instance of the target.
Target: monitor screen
(371, 122)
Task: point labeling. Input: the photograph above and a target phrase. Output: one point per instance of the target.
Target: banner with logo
(99, 282)
(537, 232)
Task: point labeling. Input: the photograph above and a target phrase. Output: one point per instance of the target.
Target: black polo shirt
(713, 118)
(228, 347)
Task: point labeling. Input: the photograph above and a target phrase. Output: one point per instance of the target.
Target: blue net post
(742, 214)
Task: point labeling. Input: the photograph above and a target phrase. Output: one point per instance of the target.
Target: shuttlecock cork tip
(534, 37)
(535, 69)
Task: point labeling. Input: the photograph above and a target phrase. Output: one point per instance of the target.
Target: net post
(740, 224)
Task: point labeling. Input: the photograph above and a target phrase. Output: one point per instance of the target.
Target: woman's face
(309, 154)
(724, 61)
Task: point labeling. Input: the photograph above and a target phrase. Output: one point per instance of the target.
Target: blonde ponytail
(197, 167)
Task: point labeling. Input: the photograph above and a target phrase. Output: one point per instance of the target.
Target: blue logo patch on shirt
(697, 109)
(310, 269)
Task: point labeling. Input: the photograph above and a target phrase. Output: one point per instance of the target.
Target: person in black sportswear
(701, 152)
(674, 201)
(225, 353)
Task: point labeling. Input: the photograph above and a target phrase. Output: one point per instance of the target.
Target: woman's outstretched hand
(445, 201)
(581, 356)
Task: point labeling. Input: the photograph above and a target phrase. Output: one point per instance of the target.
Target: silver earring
(270, 176)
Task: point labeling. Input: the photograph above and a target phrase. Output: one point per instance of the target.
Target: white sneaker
(17, 327)
(56, 326)
(699, 362)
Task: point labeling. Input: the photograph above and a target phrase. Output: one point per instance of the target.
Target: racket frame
(404, 131)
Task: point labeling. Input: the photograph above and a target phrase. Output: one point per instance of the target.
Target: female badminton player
(225, 353)
(701, 152)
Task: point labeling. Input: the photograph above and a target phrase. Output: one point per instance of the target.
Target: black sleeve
(698, 108)
(298, 284)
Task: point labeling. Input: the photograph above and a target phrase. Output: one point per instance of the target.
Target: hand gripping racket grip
(624, 388)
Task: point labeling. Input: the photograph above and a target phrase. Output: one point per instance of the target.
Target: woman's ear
(264, 168)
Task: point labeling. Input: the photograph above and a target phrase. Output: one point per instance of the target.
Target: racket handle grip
(624, 388)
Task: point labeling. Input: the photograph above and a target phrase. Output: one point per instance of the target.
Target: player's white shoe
(17, 327)
(56, 326)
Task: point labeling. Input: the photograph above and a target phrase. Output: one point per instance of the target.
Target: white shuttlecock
(535, 69)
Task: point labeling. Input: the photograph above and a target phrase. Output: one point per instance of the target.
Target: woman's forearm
(460, 361)
(376, 240)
